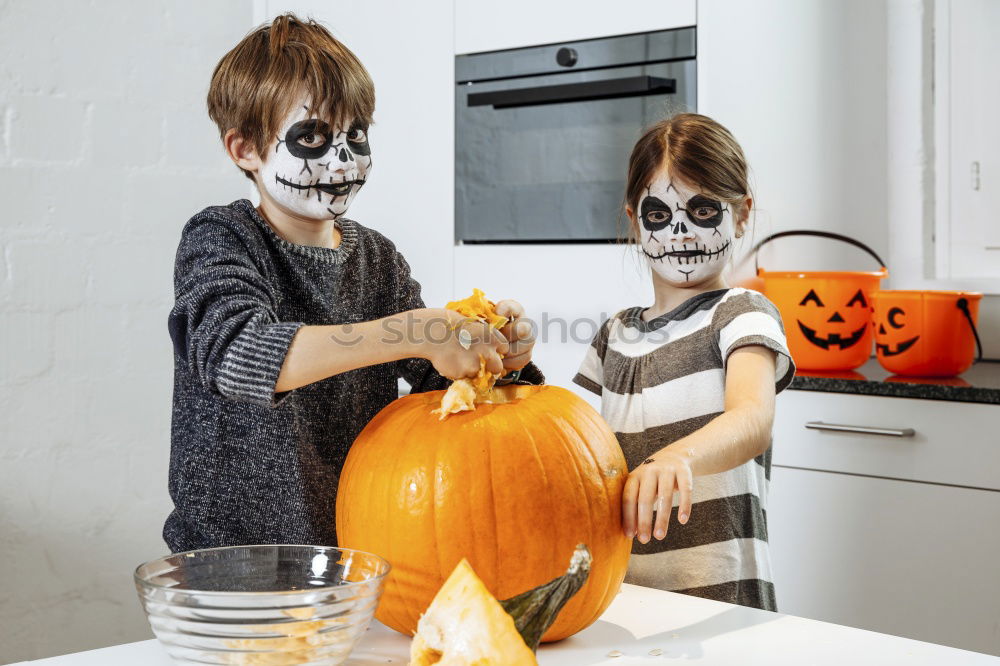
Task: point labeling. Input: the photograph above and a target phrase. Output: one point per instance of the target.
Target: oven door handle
(632, 86)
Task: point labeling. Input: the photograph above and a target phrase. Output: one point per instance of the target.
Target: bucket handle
(821, 234)
(963, 305)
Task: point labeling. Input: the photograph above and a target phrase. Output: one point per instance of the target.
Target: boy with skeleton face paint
(292, 322)
(316, 170)
(688, 384)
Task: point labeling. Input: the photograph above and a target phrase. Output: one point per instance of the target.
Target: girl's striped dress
(664, 379)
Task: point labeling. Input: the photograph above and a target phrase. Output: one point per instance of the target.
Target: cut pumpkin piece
(466, 626)
(464, 394)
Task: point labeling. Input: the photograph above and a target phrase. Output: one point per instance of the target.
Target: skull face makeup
(686, 236)
(315, 170)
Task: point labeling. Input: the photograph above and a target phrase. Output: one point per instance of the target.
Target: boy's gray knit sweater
(248, 465)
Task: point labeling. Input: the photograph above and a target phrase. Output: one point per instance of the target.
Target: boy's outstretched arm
(429, 334)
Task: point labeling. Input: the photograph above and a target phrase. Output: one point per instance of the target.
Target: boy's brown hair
(696, 149)
(256, 84)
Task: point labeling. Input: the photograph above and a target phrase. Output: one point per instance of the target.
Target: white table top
(639, 620)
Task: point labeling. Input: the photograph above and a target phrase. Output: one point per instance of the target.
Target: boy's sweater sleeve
(419, 373)
(224, 325)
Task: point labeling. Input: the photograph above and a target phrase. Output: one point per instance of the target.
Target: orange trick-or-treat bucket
(926, 333)
(827, 314)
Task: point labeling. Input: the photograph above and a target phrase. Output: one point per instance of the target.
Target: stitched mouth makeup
(333, 189)
(685, 256)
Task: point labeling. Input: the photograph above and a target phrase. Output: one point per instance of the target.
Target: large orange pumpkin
(511, 487)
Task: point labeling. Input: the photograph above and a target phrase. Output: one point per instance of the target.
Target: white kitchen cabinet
(966, 53)
(912, 558)
(491, 26)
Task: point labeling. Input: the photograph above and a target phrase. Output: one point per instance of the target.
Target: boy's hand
(454, 344)
(651, 486)
(520, 334)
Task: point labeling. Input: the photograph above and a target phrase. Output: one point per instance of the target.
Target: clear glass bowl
(274, 605)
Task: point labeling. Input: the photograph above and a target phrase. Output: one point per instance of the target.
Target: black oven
(543, 134)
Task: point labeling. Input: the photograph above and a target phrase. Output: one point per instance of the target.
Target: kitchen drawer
(952, 442)
(902, 558)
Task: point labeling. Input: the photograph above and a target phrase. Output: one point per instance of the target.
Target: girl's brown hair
(256, 84)
(695, 149)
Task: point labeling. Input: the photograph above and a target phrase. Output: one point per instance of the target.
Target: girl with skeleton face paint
(688, 384)
(314, 170)
(686, 236)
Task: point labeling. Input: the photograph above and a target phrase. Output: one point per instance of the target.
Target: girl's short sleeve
(591, 373)
(748, 318)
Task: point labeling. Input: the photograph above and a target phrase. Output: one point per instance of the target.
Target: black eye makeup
(704, 212)
(308, 139)
(357, 138)
(654, 213)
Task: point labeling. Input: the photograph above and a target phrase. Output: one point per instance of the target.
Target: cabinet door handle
(865, 430)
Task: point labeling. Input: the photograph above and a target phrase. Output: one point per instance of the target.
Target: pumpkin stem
(534, 611)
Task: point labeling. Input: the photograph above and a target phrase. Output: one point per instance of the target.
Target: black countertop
(980, 383)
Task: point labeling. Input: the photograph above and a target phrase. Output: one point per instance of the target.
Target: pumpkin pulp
(464, 394)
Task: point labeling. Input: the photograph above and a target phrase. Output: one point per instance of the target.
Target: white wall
(106, 151)
(801, 84)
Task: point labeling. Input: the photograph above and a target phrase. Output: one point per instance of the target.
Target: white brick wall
(105, 152)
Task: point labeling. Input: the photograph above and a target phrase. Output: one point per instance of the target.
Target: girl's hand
(519, 333)
(651, 486)
(454, 344)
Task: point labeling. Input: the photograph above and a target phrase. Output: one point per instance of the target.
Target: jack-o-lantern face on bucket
(839, 325)
(925, 333)
(891, 335)
(827, 316)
